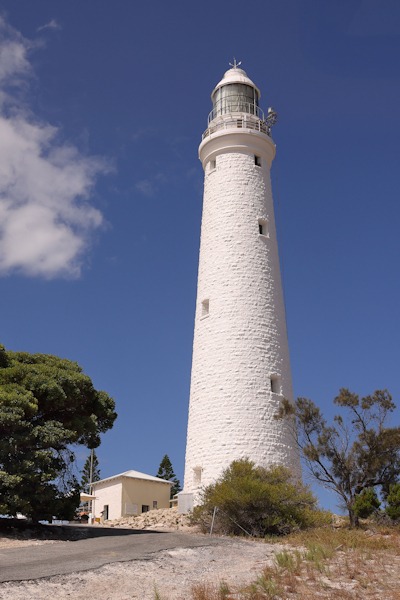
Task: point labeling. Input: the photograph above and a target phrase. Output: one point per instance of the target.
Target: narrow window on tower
(257, 160)
(205, 308)
(263, 227)
(276, 384)
(213, 165)
(197, 475)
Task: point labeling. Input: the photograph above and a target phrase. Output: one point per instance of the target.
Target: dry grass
(204, 591)
(324, 563)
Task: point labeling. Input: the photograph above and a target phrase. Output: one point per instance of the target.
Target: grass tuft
(206, 591)
(331, 563)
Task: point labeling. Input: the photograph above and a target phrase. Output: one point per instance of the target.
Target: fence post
(213, 519)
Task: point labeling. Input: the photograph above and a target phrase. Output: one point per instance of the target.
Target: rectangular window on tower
(263, 227)
(257, 160)
(197, 475)
(205, 308)
(276, 384)
(213, 165)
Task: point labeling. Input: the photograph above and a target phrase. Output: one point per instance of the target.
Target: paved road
(108, 546)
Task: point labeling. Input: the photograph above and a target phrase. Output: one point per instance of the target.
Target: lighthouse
(240, 364)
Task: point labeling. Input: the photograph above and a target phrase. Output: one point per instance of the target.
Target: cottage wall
(139, 493)
(108, 493)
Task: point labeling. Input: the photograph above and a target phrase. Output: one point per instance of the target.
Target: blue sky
(102, 107)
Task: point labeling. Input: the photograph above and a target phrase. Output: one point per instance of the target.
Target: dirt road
(109, 546)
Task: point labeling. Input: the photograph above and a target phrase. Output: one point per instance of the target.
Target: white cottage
(129, 493)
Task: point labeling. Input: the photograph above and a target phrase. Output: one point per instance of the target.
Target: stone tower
(240, 365)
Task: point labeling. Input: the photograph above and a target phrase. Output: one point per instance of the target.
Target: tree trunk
(354, 521)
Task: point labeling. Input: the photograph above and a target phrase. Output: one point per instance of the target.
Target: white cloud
(45, 215)
(52, 24)
(146, 187)
(149, 187)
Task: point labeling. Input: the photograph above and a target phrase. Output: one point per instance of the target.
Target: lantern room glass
(233, 98)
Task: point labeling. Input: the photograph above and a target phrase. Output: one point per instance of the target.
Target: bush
(257, 501)
(393, 502)
(366, 503)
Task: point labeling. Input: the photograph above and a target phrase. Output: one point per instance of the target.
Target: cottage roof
(133, 475)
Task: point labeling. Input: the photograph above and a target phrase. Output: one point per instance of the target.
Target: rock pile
(162, 518)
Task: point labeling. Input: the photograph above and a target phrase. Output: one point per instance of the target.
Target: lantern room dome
(235, 75)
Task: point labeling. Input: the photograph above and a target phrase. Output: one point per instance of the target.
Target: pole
(90, 484)
(213, 519)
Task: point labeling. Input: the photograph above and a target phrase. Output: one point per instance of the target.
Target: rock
(161, 518)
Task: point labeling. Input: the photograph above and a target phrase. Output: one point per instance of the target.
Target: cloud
(13, 54)
(46, 219)
(52, 24)
(146, 187)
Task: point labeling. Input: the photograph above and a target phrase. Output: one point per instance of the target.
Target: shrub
(366, 503)
(256, 501)
(393, 501)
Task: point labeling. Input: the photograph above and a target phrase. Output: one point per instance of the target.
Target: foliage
(166, 471)
(208, 591)
(357, 452)
(393, 502)
(366, 503)
(47, 404)
(342, 555)
(87, 467)
(256, 500)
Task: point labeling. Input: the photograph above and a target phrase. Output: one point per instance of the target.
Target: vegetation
(356, 454)
(256, 501)
(326, 562)
(366, 503)
(165, 471)
(47, 405)
(393, 502)
(90, 471)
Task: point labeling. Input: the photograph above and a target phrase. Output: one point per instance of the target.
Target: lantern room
(235, 93)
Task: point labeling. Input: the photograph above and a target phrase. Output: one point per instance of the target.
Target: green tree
(90, 471)
(366, 503)
(166, 471)
(357, 452)
(393, 502)
(47, 405)
(257, 501)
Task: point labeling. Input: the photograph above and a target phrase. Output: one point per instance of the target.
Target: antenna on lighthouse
(271, 118)
(235, 64)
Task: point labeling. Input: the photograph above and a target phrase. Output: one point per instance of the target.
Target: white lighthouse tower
(240, 367)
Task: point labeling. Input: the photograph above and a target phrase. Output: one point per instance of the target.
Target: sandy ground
(171, 573)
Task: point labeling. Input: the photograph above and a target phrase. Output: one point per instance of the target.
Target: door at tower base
(240, 364)
(185, 503)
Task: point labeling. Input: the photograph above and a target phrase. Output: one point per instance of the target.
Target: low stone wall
(163, 518)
